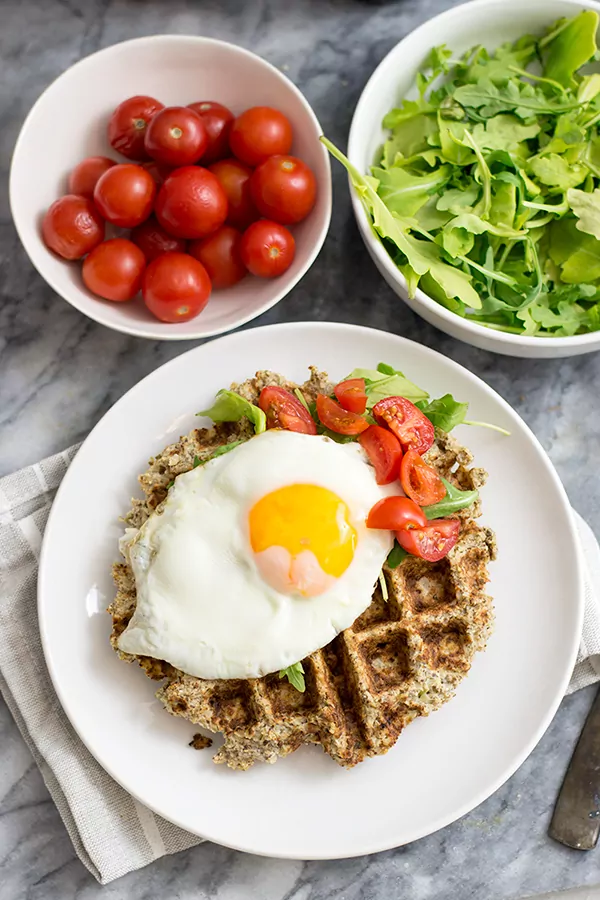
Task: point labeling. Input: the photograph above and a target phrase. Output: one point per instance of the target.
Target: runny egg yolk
(302, 537)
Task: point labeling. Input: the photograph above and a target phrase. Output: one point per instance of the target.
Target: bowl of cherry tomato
(171, 187)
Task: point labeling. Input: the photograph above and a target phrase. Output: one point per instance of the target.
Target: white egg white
(202, 604)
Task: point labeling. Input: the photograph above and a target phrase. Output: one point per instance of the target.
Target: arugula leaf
(396, 556)
(587, 209)
(295, 676)
(379, 385)
(230, 407)
(454, 500)
(486, 193)
(444, 412)
(569, 46)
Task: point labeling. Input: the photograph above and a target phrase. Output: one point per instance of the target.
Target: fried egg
(257, 558)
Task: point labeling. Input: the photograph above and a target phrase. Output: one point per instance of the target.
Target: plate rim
(518, 758)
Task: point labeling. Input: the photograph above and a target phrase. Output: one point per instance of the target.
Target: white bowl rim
(159, 333)
(472, 328)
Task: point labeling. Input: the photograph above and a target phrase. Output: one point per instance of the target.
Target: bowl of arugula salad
(474, 164)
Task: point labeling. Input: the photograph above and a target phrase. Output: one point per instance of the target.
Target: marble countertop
(59, 373)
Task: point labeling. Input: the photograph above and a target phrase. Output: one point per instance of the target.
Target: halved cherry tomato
(351, 395)
(283, 410)
(412, 428)
(337, 419)
(420, 482)
(396, 513)
(217, 121)
(258, 133)
(433, 541)
(128, 123)
(384, 451)
(176, 136)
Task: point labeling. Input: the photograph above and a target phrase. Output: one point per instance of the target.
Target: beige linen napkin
(112, 833)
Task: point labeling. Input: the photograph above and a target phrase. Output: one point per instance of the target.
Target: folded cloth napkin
(112, 833)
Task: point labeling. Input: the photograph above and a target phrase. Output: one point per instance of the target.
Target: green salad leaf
(454, 500)
(486, 192)
(396, 555)
(444, 412)
(295, 676)
(230, 407)
(387, 383)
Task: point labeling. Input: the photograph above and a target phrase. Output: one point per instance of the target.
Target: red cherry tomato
(384, 452)
(124, 195)
(284, 189)
(176, 136)
(72, 227)
(351, 394)
(176, 287)
(152, 239)
(159, 173)
(420, 481)
(283, 410)
(84, 176)
(191, 203)
(219, 253)
(258, 133)
(128, 123)
(267, 249)
(234, 178)
(432, 542)
(217, 121)
(337, 419)
(114, 270)
(395, 513)
(411, 427)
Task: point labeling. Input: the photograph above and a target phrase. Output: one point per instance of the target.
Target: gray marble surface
(60, 372)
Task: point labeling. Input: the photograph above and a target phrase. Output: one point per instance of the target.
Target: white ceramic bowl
(487, 22)
(69, 121)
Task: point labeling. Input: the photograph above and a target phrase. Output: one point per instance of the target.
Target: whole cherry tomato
(217, 121)
(159, 173)
(412, 428)
(234, 178)
(258, 133)
(267, 249)
(351, 395)
(176, 136)
(128, 123)
(431, 542)
(337, 419)
(191, 203)
(176, 287)
(152, 239)
(72, 226)
(284, 189)
(219, 253)
(84, 176)
(420, 481)
(283, 410)
(395, 513)
(114, 270)
(384, 452)
(125, 194)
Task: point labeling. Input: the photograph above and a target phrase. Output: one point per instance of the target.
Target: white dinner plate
(305, 806)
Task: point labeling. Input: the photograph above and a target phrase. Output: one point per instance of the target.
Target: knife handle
(576, 819)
